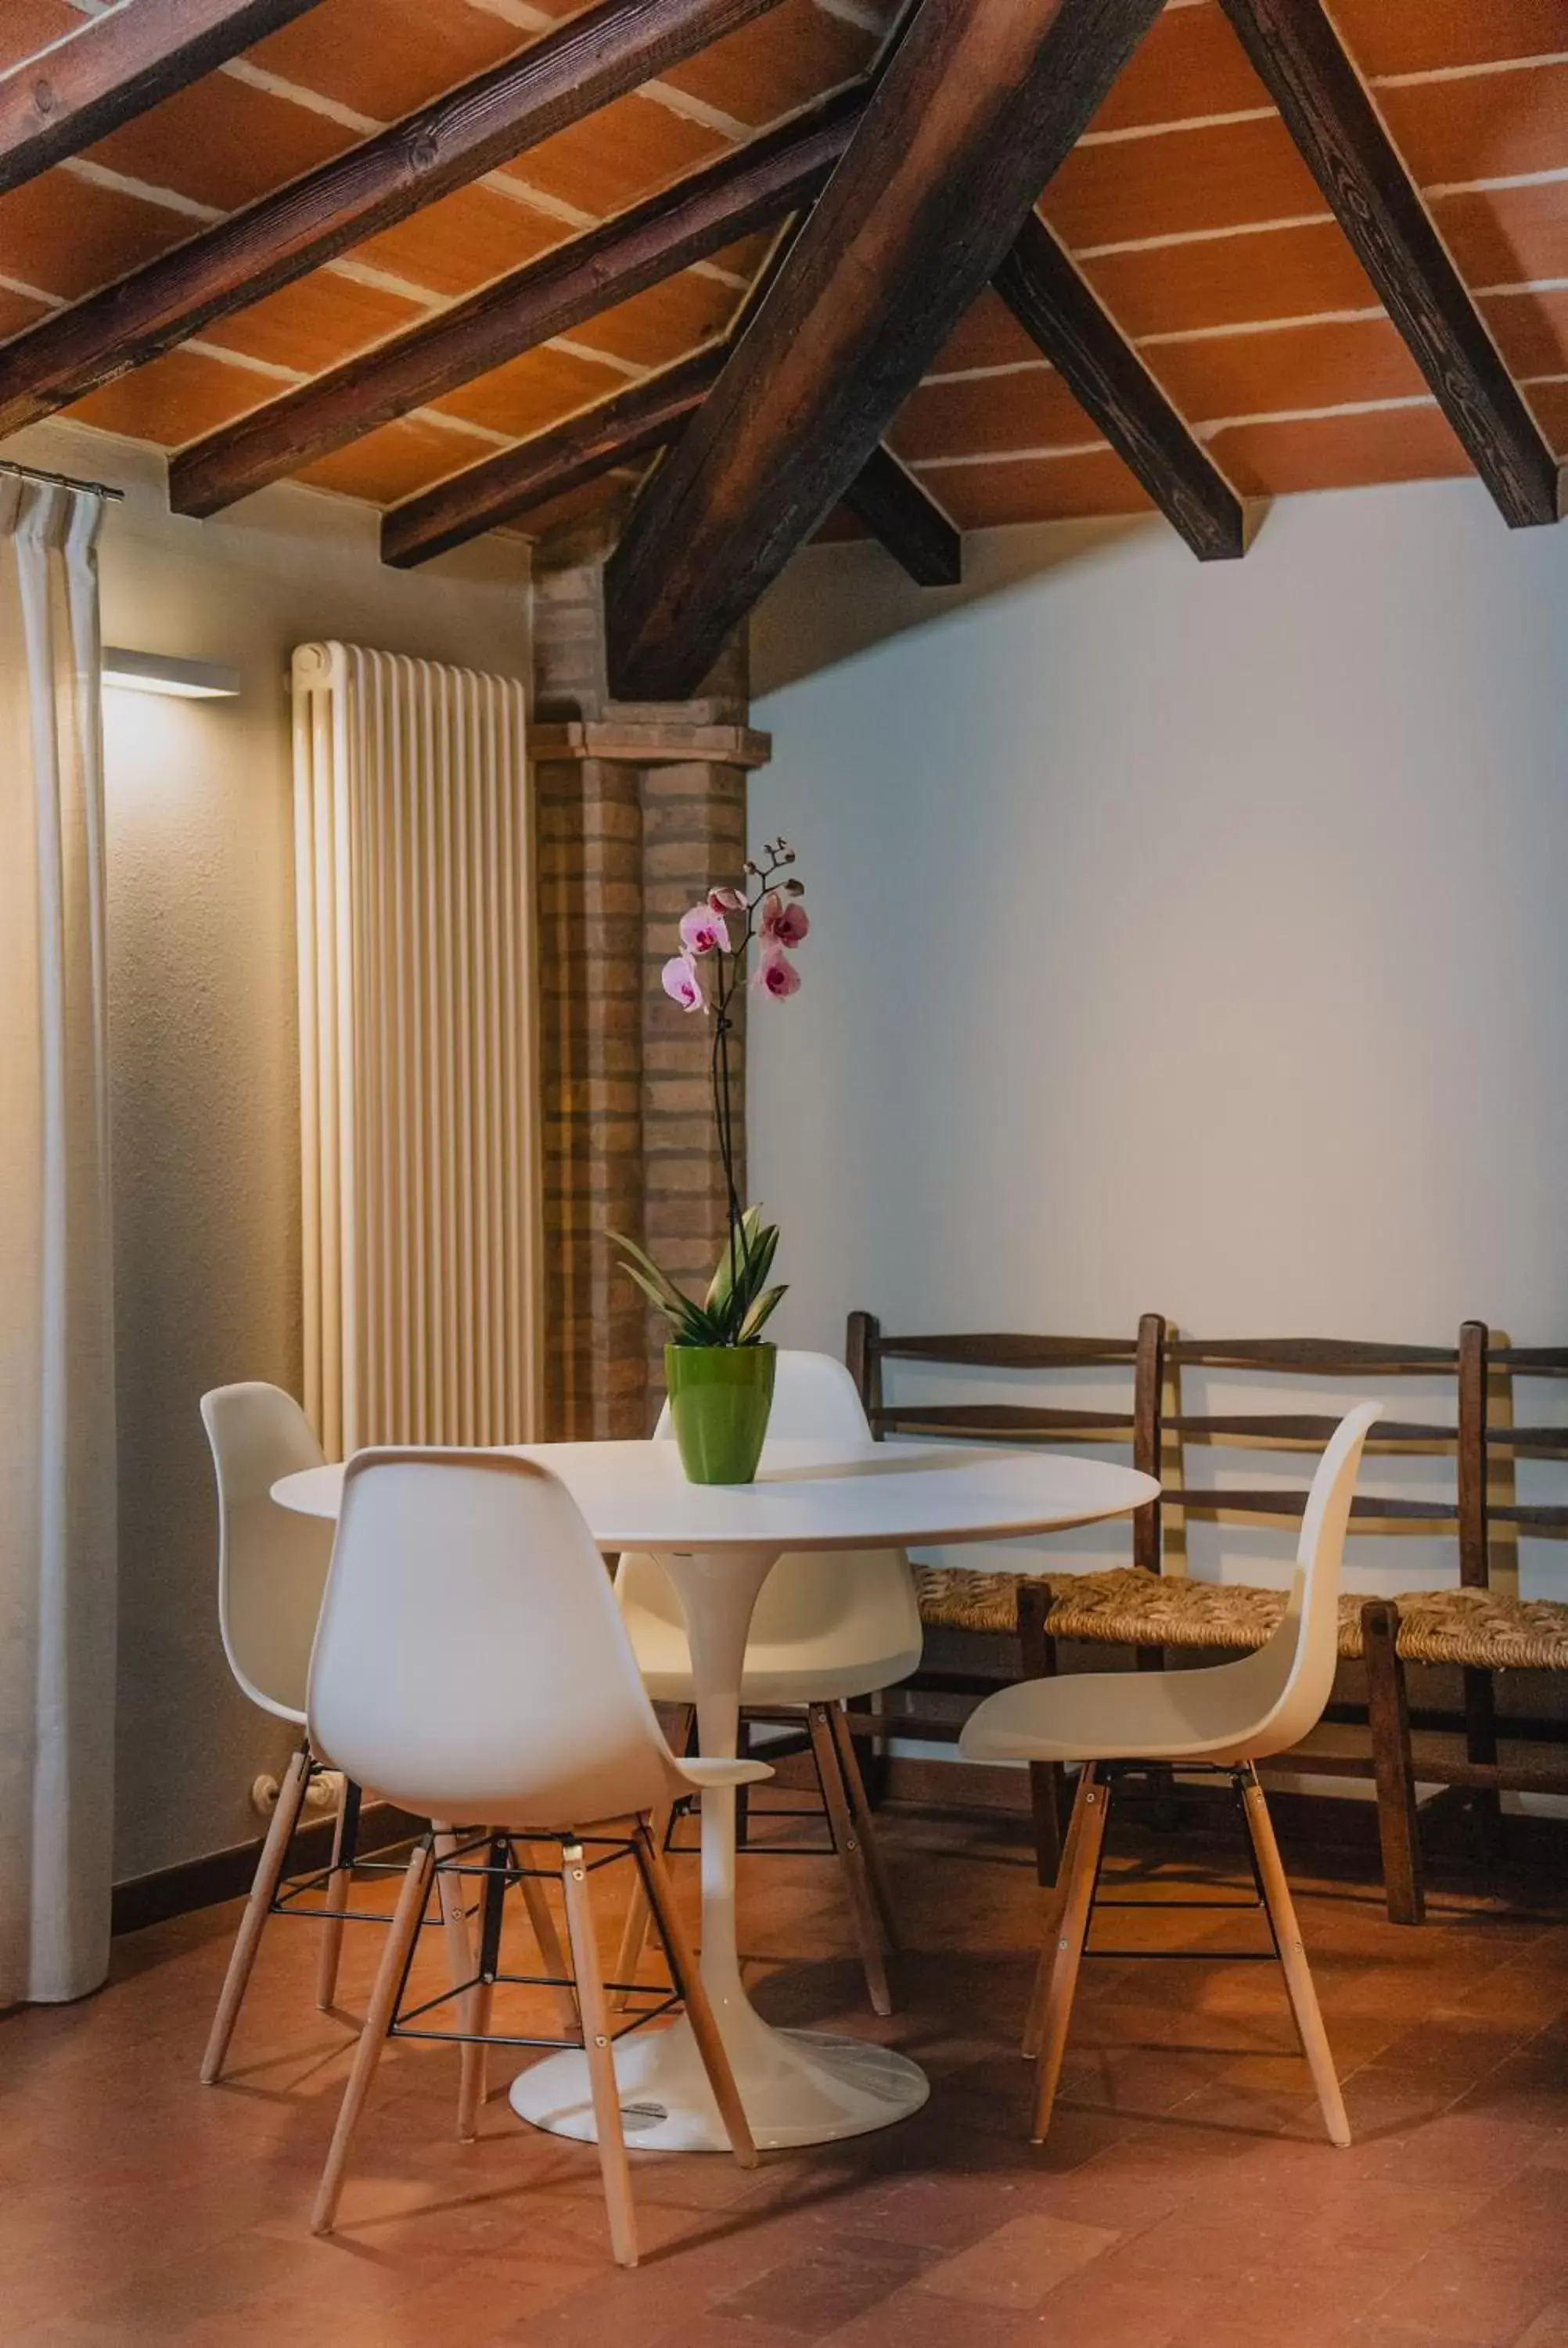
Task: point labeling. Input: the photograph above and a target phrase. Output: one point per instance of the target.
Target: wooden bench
(1159, 1611)
(1480, 1628)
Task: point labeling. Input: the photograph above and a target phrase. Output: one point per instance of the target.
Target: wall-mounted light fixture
(188, 680)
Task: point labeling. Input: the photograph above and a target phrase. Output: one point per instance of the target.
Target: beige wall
(1186, 937)
(205, 1118)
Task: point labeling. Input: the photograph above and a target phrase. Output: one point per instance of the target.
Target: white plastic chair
(828, 1626)
(1228, 1716)
(272, 1571)
(471, 1662)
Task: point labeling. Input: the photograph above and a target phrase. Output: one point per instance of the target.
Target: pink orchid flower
(683, 982)
(784, 919)
(705, 932)
(725, 900)
(776, 975)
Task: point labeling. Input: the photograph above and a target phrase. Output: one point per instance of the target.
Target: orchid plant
(717, 938)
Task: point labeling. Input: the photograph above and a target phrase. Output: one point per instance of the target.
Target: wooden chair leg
(340, 1880)
(543, 1926)
(1047, 1782)
(460, 1971)
(378, 2021)
(1480, 1745)
(634, 1932)
(1034, 2021)
(595, 2011)
(864, 1823)
(258, 1907)
(871, 1760)
(475, 2009)
(1071, 1931)
(655, 1877)
(1388, 1714)
(846, 1842)
(1293, 1958)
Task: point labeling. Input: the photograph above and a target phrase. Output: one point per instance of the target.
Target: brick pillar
(590, 825)
(642, 810)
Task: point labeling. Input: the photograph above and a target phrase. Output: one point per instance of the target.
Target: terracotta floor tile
(1550, 2329)
(1020, 2263)
(1103, 2306)
(828, 2288)
(913, 2318)
(1185, 2199)
(1461, 2295)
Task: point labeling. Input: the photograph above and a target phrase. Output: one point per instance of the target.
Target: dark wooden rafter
(566, 75)
(885, 496)
(1056, 306)
(1333, 120)
(613, 431)
(627, 425)
(750, 188)
(114, 66)
(979, 105)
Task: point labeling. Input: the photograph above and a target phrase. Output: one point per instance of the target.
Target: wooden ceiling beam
(976, 108)
(114, 66)
(1331, 117)
(627, 425)
(885, 496)
(1055, 305)
(569, 73)
(749, 188)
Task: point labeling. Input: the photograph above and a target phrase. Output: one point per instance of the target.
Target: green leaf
(675, 1312)
(751, 1287)
(669, 1294)
(733, 1260)
(752, 1326)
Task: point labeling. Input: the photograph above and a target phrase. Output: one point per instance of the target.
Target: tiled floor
(1187, 2199)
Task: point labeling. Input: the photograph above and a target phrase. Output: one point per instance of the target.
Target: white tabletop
(810, 1496)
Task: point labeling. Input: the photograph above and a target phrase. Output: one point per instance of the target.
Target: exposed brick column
(640, 810)
(589, 823)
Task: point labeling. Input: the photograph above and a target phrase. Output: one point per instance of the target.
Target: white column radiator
(414, 871)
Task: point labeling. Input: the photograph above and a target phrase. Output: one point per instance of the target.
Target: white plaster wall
(203, 1052)
(1188, 938)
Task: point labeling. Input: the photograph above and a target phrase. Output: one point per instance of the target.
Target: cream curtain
(56, 1370)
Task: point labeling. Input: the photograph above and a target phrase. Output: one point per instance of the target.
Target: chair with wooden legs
(1113, 1394)
(471, 1662)
(271, 1569)
(1224, 1716)
(827, 1628)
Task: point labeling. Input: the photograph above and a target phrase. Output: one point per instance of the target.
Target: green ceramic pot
(720, 1397)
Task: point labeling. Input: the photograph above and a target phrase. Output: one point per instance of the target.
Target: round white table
(718, 1544)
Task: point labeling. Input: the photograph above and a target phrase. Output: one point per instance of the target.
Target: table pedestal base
(798, 2087)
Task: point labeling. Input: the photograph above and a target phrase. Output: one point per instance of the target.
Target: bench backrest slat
(1135, 1423)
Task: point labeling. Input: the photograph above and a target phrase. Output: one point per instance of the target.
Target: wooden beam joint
(1056, 306)
(978, 105)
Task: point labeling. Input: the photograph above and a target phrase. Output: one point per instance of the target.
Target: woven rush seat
(1127, 1607)
(1123, 1607)
(954, 1600)
(1485, 1628)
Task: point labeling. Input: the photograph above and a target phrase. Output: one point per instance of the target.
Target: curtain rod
(58, 480)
